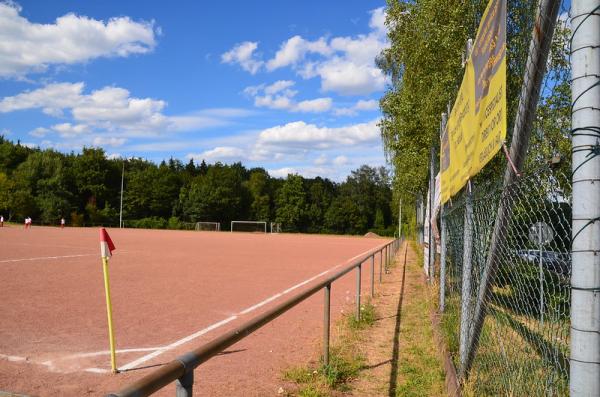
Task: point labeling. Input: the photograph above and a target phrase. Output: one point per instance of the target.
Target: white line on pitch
(97, 370)
(272, 298)
(12, 358)
(102, 353)
(173, 345)
(44, 258)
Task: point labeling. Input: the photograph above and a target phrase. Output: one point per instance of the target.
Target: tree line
(84, 188)
(424, 66)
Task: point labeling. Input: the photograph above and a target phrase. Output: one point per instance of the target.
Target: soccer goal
(208, 226)
(249, 226)
(275, 227)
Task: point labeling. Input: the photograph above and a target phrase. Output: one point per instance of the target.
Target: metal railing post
(358, 275)
(373, 276)
(184, 385)
(380, 265)
(326, 326)
(387, 258)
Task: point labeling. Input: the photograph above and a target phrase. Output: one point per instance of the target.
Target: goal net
(275, 227)
(208, 226)
(249, 226)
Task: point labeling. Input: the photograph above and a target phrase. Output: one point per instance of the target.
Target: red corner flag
(106, 244)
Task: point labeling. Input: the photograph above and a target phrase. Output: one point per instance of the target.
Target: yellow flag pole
(111, 335)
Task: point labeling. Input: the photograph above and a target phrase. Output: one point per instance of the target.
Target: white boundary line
(45, 257)
(173, 345)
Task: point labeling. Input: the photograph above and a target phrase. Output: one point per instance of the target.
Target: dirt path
(401, 355)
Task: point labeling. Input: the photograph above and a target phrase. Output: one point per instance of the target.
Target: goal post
(249, 226)
(208, 226)
(275, 227)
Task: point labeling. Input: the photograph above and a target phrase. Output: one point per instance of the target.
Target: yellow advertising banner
(476, 125)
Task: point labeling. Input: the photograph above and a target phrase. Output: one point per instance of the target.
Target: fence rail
(181, 370)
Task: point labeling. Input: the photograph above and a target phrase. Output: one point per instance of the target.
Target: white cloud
(345, 65)
(278, 86)
(361, 105)
(113, 109)
(280, 96)
(322, 159)
(68, 130)
(294, 49)
(282, 172)
(377, 21)
(309, 136)
(318, 105)
(32, 47)
(51, 98)
(340, 160)
(108, 141)
(347, 77)
(371, 104)
(39, 132)
(220, 153)
(277, 102)
(243, 54)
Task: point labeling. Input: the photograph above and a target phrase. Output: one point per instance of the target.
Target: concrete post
(585, 276)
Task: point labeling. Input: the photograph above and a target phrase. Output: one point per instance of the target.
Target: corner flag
(106, 244)
(106, 248)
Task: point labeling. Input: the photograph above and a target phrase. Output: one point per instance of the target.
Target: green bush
(152, 222)
(174, 223)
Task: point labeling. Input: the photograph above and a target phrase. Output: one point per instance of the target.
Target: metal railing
(181, 370)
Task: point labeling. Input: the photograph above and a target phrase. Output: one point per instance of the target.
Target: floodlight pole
(121, 210)
(400, 220)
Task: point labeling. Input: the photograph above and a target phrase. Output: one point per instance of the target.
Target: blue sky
(288, 86)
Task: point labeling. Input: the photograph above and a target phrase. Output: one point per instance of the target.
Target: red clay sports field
(171, 291)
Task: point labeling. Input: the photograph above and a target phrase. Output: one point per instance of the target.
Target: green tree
(96, 178)
(320, 195)
(6, 186)
(291, 204)
(344, 216)
(218, 196)
(258, 185)
(43, 187)
(423, 63)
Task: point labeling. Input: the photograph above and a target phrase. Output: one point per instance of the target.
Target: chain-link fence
(523, 345)
(506, 279)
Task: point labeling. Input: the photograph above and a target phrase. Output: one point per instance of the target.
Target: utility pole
(585, 273)
(400, 220)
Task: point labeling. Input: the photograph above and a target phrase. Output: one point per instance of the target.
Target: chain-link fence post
(442, 238)
(431, 242)
(465, 300)
(585, 279)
